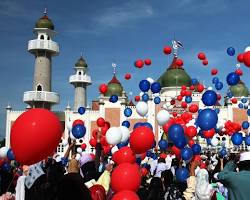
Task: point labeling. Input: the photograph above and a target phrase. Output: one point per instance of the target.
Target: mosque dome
(81, 63)
(174, 76)
(114, 87)
(45, 22)
(239, 90)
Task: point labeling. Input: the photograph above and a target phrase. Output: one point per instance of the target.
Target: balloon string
(10, 183)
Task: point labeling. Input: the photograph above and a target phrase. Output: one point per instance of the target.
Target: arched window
(42, 37)
(48, 38)
(39, 88)
(80, 73)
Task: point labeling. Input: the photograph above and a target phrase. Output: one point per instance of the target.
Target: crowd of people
(88, 178)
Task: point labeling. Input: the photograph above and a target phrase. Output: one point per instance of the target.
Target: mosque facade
(41, 96)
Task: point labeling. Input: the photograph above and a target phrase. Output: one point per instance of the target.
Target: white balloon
(79, 150)
(247, 49)
(214, 141)
(78, 156)
(142, 108)
(162, 117)
(3, 152)
(125, 133)
(210, 88)
(64, 142)
(141, 93)
(69, 125)
(114, 149)
(150, 80)
(114, 135)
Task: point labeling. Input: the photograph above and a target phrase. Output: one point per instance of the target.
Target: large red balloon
(141, 139)
(100, 122)
(98, 192)
(246, 58)
(167, 50)
(126, 195)
(103, 88)
(123, 155)
(126, 176)
(35, 135)
(191, 131)
(201, 56)
(240, 57)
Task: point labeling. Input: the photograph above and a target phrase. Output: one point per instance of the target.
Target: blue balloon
(219, 86)
(144, 85)
(10, 155)
(138, 124)
(186, 153)
(78, 131)
(113, 99)
(128, 112)
(181, 143)
(247, 140)
(245, 107)
(194, 81)
(182, 174)
(244, 100)
(149, 154)
(230, 94)
(230, 51)
(81, 110)
(122, 144)
(248, 112)
(245, 125)
(154, 156)
(207, 119)
(138, 160)
(209, 141)
(126, 123)
(237, 138)
(145, 97)
(217, 110)
(233, 78)
(209, 98)
(156, 87)
(215, 80)
(240, 105)
(6, 167)
(157, 100)
(223, 152)
(188, 99)
(64, 161)
(147, 124)
(163, 144)
(176, 132)
(196, 148)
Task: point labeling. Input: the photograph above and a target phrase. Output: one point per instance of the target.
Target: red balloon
(209, 133)
(246, 58)
(139, 63)
(193, 108)
(104, 130)
(179, 97)
(126, 176)
(184, 104)
(201, 56)
(124, 155)
(183, 93)
(137, 98)
(104, 141)
(35, 135)
(174, 114)
(183, 87)
(191, 131)
(188, 93)
(147, 61)
(218, 97)
(239, 72)
(167, 50)
(172, 102)
(203, 165)
(200, 87)
(234, 100)
(83, 146)
(179, 62)
(197, 158)
(78, 121)
(103, 88)
(240, 57)
(93, 142)
(190, 143)
(163, 155)
(94, 133)
(141, 139)
(214, 71)
(97, 192)
(106, 149)
(100, 122)
(166, 126)
(192, 87)
(176, 151)
(126, 195)
(205, 62)
(127, 76)
(144, 171)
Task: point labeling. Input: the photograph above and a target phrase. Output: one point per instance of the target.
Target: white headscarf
(203, 190)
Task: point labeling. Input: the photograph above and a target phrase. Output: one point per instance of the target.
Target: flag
(177, 44)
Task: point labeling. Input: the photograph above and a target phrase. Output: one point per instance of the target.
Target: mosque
(41, 96)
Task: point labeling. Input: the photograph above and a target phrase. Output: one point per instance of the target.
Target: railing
(51, 97)
(43, 44)
(80, 78)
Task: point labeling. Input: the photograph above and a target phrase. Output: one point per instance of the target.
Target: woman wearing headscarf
(155, 189)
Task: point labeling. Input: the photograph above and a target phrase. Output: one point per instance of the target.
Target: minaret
(80, 81)
(43, 48)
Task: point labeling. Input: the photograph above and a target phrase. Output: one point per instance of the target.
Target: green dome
(174, 76)
(81, 63)
(114, 87)
(45, 22)
(239, 90)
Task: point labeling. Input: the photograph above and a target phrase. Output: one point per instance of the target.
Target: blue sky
(122, 31)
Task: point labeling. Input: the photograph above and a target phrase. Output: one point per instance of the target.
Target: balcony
(80, 79)
(47, 45)
(50, 97)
